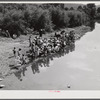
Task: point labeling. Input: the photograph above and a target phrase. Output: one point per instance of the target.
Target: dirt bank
(7, 45)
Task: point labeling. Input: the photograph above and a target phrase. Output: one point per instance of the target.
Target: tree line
(27, 18)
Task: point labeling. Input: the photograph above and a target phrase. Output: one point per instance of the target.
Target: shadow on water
(44, 61)
(91, 24)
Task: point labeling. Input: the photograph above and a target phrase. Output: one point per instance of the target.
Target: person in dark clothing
(14, 52)
(23, 59)
(40, 32)
(72, 36)
(30, 43)
(19, 52)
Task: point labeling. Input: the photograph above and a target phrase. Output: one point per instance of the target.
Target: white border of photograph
(50, 94)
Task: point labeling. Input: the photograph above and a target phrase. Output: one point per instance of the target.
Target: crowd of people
(42, 47)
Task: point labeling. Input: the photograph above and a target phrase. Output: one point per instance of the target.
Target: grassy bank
(7, 45)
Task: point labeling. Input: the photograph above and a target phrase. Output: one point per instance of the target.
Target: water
(77, 66)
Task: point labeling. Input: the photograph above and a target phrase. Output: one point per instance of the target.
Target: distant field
(76, 5)
(73, 5)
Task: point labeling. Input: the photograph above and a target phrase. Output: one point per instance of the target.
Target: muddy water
(80, 69)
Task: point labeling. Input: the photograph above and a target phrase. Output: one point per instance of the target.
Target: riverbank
(7, 45)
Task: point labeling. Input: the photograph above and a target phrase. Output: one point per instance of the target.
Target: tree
(35, 17)
(98, 10)
(57, 16)
(1, 8)
(66, 8)
(71, 8)
(45, 22)
(27, 18)
(85, 9)
(80, 8)
(91, 10)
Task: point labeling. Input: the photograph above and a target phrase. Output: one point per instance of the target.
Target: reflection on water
(91, 24)
(20, 72)
(44, 61)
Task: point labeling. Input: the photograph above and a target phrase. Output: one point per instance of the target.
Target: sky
(96, 3)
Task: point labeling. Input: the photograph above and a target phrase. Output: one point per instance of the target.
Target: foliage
(98, 13)
(98, 10)
(17, 18)
(80, 8)
(71, 8)
(90, 10)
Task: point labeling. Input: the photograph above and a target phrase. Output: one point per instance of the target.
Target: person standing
(23, 59)
(19, 52)
(40, 32)
(8, 34)
(14, 52)
(30, 42)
